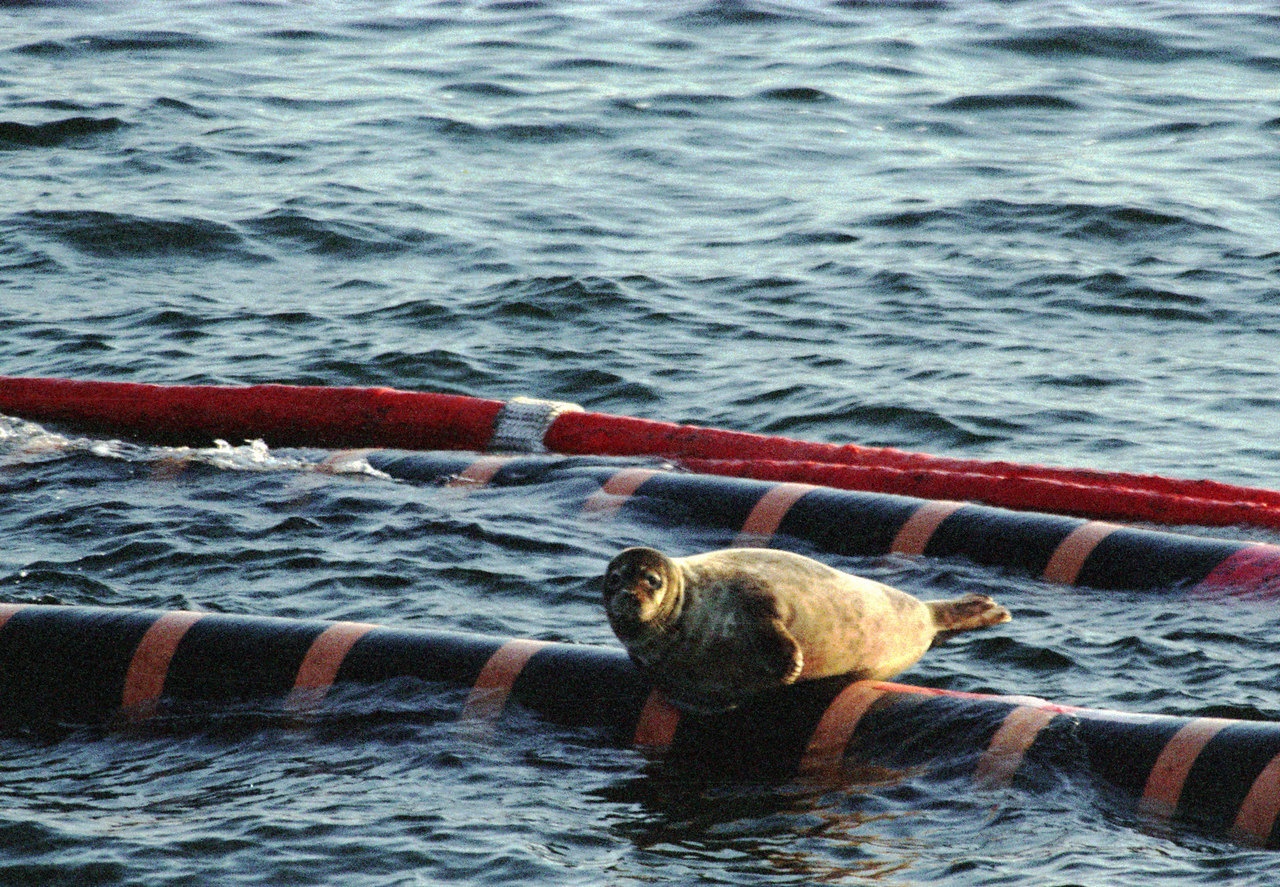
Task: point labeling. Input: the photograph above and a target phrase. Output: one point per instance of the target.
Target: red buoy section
(600, 434)
(283, 415)
(286, 415)
(105, 668)
(1017, 490)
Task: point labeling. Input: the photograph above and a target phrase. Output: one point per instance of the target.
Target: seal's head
(642, 587)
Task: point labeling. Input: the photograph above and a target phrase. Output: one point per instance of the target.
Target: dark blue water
(1040, 231)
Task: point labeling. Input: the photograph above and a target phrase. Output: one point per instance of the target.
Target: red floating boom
(286, 415)
(1022, 492)
(283, 415)
(601, 434)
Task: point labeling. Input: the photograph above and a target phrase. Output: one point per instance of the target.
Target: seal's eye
(653, 580)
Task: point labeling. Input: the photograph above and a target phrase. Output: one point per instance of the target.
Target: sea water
(1045, 232)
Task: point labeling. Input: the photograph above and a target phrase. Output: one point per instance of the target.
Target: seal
(712, 630)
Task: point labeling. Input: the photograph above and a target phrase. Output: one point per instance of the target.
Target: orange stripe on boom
(826, 747)
(1164, 783)
(1009, 745)
(1069, 557)
(144, 682)
(479, 472)
(7, 611)
(767, 515)
(616, 491)
(656, 727)
(1257, 815)
(914, 535)
(320, 666)
(493, 685)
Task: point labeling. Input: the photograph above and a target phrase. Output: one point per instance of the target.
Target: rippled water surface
(1047, 232)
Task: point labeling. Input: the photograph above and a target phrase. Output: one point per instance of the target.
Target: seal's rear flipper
(968, 612)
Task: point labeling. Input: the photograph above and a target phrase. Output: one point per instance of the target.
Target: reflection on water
(779, 829)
